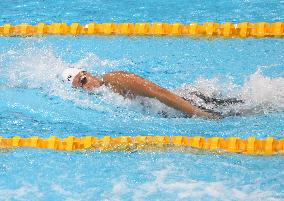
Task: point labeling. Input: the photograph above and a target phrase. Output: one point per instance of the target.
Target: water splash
(263, 91)
(41, 68)
(258, 94)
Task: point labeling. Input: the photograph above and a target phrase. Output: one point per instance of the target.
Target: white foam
(265, 91)
(24, 192)
(260, 93)
(41, 67)
(86, 194)
(186, 189)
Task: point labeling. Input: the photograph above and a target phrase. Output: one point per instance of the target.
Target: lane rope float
(251, 145)
(208, 29)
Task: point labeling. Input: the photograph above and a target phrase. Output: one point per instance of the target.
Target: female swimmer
(130, 85)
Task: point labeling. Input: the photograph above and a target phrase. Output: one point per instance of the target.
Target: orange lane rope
(208, 29)
(251, 145)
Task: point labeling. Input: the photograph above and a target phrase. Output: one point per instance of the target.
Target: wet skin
(130, 85)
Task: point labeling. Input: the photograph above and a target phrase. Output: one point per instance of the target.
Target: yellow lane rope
(251, 145)
(208, 29)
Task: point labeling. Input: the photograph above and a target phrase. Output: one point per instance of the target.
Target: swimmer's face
(86, 80)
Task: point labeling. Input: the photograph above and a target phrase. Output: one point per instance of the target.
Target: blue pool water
(33, 101)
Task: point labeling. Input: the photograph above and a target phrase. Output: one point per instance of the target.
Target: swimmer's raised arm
(124, 83)
(128, 84)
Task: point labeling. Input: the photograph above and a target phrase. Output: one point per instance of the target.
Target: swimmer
(130, 85)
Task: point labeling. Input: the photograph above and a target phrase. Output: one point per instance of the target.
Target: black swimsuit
(215, 101)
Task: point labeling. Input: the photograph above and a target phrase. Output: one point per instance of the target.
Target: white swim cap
(69, 74)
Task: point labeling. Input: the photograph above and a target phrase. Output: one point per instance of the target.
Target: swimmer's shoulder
(115, 76)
